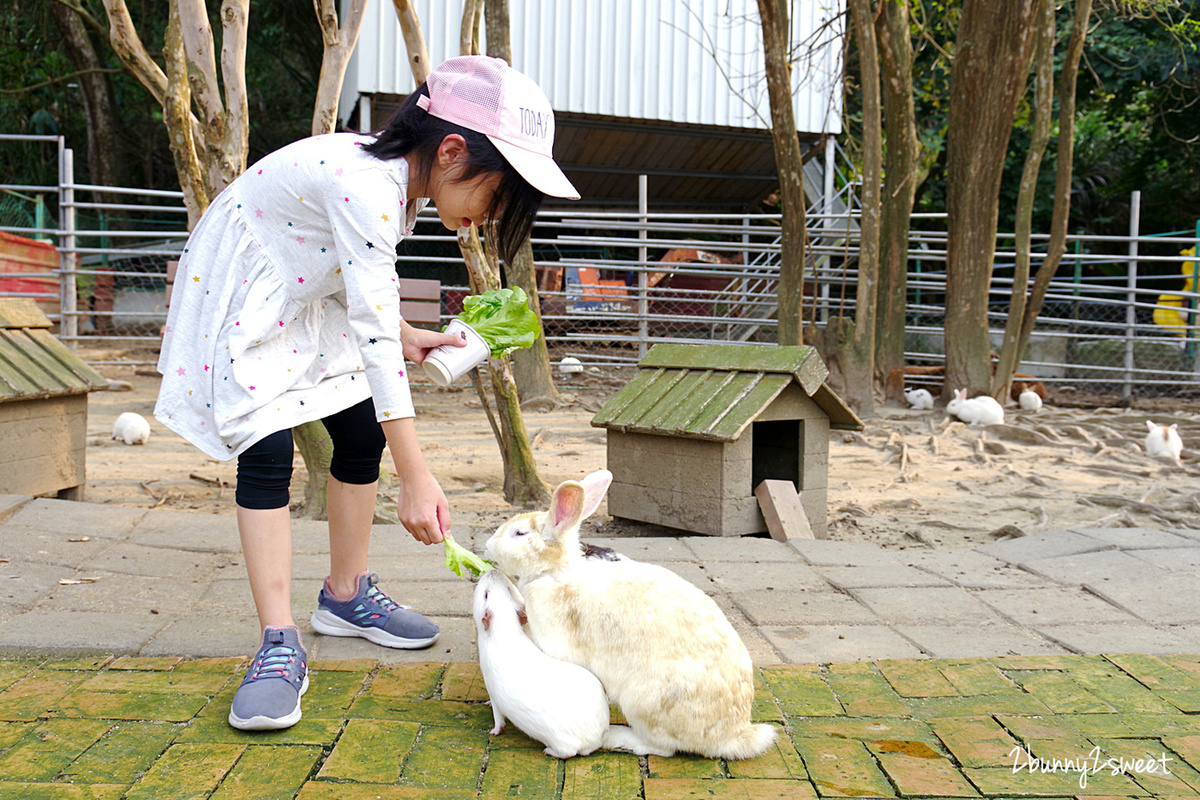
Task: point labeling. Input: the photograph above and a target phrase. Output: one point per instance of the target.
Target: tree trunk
(1043, 69)
(901, 161)
(338, 44)
(522, 483)
(414, 40)
(1063, 176)
(531, 366)
(789, 165)
(859, 363)
(176, 116)
(991, 63)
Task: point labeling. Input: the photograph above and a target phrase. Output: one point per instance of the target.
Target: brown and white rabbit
(1163, 441)
(561, 705)
(662, 648)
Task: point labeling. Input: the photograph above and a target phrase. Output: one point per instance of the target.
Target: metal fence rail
(1120, 316)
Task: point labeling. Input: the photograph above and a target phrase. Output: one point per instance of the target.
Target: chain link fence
(1121, 316)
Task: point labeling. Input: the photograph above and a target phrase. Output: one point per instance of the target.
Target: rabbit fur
(919, 398)
(1029, 400)
(561, 705)
(975, 411)
(131, 428)
(663, 650)
(1164, 441)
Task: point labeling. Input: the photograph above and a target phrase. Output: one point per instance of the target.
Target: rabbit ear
(1150, 426)
(595, 486)
(1175, 426)
(566, 510)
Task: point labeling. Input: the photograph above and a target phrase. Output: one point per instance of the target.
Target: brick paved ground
(155, 728)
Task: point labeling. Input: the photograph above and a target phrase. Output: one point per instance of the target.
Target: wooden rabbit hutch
(700, 426)
(43, 406)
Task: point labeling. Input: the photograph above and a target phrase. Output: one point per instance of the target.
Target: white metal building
(673, 89)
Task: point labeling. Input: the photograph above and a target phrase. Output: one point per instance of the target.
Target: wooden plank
(799, 361)
(420, 289)
(742, 413)
(661, 418)
(420, 311)
(67, 357)
(613, 413)
(20, 312)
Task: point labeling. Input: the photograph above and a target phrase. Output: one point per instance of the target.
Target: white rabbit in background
(569, 365)
(561, 705)
(131, 428)
(1029, 400)
(976, 410)
(919, 398)
(1164, 441)
(662, 648)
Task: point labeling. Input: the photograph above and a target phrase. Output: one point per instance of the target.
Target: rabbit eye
(521, 533)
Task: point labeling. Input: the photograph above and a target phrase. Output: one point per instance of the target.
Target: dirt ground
(911, 479)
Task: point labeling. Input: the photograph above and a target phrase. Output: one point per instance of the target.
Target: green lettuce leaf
(503, 318)
(459, 558)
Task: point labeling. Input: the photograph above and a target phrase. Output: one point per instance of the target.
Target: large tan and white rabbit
(661, 647)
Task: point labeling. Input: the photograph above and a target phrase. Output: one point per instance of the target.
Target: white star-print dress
(285, 307)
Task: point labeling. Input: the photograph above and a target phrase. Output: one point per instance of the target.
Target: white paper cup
(447, 363)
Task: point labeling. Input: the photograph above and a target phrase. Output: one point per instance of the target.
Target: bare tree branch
(338, 44)
(53, 81)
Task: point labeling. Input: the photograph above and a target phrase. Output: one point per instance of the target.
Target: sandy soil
(910, 479)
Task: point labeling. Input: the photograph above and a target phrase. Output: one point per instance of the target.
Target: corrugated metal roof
(715, 391)
(35, 365)
(688, 61)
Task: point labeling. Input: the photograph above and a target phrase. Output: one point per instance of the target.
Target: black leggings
(264, 471)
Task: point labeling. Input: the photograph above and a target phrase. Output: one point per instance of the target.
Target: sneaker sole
(330, 624)
(262, 723)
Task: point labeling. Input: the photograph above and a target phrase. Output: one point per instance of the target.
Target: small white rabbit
(1164, 440)
(975, 411)
(569, 365)
(919, 398)
(662, 648)
(1029, 400)
(131, 428)
(561, 705)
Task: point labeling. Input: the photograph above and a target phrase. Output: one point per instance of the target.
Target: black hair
(414, 131)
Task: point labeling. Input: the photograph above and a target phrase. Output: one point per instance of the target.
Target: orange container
(19, 257)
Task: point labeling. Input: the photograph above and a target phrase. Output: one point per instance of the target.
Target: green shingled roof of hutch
(43, 406)
(715, 391)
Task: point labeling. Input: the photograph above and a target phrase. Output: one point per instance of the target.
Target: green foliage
(503, 318)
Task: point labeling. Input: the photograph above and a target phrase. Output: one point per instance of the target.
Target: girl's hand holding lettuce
(503, 318)
(459, 558)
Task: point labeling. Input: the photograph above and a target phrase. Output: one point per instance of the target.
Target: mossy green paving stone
(1150, 764)
(38, 694)
(357, 755)
(61, 791)
(48, 748)
(200, 683)
(1060, 693)
(13, 671)
(11, 733)
(997, 782)
(186, 771)
(85, 664)
(975, 741)
(1186, 700)
(476, 716)
(800, 691)
(515, 772)
(867, 695)
(131, 705)
(463, 681)
(686, 766)
(417, 681)
(867, 730)
(602, 776)
(145, 664)
(1153, 672)
(975, 677)
(1012, 701)
(914, 678)
(1120, 691)
(446, 758)
(269, 773)
(691, 789)
(215, 729)
(123, 753)
(331, 693)
(842, 768)
(320, 790)
(780, 762)
(233, 666)
(922, 777)
(1026, 728)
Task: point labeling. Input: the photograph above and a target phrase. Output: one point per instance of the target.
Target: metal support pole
(643, 303)
(1135, 214)
(69, 317)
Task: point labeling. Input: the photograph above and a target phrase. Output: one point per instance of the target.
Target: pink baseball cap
(487, 95)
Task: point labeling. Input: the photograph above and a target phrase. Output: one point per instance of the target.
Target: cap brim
(541, 171)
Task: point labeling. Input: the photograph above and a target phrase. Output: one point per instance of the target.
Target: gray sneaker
(374, 616)
(269, 697)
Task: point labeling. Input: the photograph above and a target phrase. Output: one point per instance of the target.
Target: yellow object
(1168, 313)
